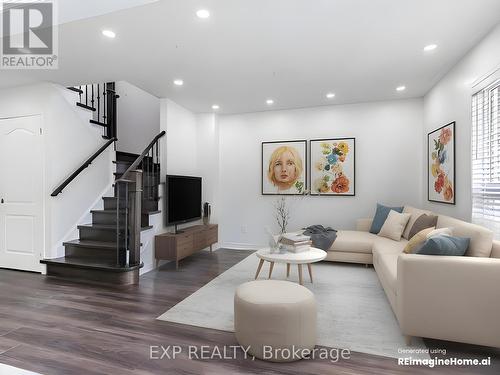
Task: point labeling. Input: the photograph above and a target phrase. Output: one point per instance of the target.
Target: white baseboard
(239, 246)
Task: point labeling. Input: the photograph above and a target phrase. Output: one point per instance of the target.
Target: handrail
(138, 161)
(82, 167)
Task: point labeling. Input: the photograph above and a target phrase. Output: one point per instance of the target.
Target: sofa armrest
(449, 298)
(364, 224)
(495, 249)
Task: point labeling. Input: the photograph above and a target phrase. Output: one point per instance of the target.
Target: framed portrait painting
(284, 166)
(333, 166)
(441, 164)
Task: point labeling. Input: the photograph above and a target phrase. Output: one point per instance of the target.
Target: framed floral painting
(441, 164)
(284, 167)
(333, 166)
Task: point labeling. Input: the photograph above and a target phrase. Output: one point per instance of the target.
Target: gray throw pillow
(380, 217)
(424, 221)
(444, 245)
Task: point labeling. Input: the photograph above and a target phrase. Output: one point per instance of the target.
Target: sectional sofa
(454, 298)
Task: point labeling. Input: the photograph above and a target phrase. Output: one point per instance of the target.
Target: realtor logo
(29, 38)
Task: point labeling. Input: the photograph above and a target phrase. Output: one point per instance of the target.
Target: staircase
(108, 249)
(100, 98)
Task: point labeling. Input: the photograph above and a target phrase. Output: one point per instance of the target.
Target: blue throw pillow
(381, 216)
(444, 245)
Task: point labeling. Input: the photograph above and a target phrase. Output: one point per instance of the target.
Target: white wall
(388, 160)
(179, 145)
(450, 100)
(138, 117)
(209, 160)
(69, 140)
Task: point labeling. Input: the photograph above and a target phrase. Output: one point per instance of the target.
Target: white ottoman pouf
(275, 319)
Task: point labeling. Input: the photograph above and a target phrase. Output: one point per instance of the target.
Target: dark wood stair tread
(109, 212)
(151, 212)
(144, 172)
(110, 227)
(92, 244)
(124, 153)
(98, 123)
(75, 89)
(89, 264)
(86, 107)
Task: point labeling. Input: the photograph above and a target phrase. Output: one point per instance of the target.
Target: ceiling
(293, 51)
(72, 10)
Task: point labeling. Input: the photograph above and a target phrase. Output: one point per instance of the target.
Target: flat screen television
(183, 199)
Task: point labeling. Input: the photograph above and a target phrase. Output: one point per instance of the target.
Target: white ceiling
(294, 51)
(72, 10)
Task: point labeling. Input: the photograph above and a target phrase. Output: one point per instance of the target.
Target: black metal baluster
(80, 94)
(152, 174)
(148, 175)
(98, 104)
(92, 96)
(158, 145)
(87, 95)
(143, 185)
(104, 103)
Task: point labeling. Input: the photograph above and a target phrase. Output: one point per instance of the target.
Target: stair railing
(100, 98)
(138, 184)
(85, 164)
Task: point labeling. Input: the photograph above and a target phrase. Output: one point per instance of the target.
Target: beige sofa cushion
(439, 232)
(353, 241)
(481, 239)
(415, 214)
(384, 245)
(385, 260)
(387, 264)
(416, 240)
(394, 225)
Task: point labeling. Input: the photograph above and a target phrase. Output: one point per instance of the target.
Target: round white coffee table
(306, 257)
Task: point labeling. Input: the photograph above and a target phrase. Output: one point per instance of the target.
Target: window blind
(486, 157)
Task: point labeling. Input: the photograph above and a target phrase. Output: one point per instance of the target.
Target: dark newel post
(121, 193)
(134, 217)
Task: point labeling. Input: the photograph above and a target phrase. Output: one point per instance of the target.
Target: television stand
(177, 246)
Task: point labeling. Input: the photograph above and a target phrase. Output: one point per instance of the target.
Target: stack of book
(295, 243)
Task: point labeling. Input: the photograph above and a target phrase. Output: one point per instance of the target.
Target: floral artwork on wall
(284, 167)
(441, 164)
(333, 166)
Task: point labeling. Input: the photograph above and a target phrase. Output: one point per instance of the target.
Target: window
(486, 157)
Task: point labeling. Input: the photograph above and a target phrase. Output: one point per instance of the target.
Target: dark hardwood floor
(60, 327)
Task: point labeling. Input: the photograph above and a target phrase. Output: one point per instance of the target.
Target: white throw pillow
(439, 232)
(394, 225)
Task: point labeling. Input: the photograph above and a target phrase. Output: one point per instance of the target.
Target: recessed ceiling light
(178, 82)
(401, 88)
(215, 107)
(269, 102)
(203, 13)
(430, 47)
(330, 95)
(108, 33)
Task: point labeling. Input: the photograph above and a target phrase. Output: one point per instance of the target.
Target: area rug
(353, 311)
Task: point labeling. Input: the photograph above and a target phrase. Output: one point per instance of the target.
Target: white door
(21, 193)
